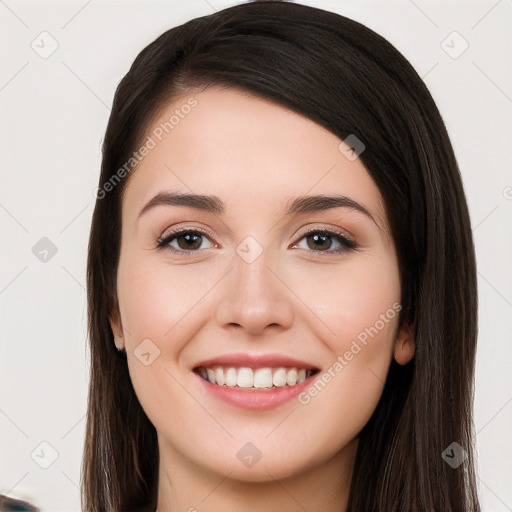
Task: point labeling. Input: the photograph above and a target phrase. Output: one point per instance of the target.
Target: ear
(404, 344)
(117, 330)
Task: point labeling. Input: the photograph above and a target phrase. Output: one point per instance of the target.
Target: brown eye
(184, 241)
(323, 241)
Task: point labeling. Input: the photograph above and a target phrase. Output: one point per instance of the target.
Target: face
(290, 307)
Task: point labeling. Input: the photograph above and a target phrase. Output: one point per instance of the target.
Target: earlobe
(119, 342)
(405, 345)
(117, 331)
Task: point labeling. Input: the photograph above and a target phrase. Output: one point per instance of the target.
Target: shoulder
(8, 504)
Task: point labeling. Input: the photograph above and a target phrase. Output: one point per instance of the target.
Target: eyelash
(348, 244)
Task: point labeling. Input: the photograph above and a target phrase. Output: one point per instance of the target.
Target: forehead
(253, 153)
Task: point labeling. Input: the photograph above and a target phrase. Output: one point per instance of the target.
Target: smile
(254, 378)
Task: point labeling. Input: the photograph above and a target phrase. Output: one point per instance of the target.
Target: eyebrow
(298, 205)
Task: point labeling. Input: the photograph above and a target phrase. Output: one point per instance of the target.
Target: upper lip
(255, 361)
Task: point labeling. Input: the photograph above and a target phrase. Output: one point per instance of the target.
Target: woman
(281, 254)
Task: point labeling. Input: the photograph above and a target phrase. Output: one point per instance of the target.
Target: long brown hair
(350, 80)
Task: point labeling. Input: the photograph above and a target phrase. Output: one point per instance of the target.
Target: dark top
(11, 505)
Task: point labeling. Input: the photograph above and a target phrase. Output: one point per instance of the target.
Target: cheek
(369, 310)
(161, 309)
(362, 309)
(155, 302)
(356, 301)
(154, 299)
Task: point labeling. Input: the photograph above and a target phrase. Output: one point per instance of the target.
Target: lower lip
(255, 399)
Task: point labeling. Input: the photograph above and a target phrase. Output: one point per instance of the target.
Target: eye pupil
(316, 238)
(190, 239)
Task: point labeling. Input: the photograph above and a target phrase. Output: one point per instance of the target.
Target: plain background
(54, 112)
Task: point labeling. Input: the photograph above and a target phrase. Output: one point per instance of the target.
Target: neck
(188, 487)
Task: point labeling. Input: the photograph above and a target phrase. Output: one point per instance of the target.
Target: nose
(254, 297)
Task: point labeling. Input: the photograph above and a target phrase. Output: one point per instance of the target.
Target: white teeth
(245, 378)
(260, 378)
(291, 377)
(230, 377)
(279, 378)
(263, 378)
(211, 375)
(219, 376)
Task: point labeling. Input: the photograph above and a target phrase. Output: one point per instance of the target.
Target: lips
(255, 361)
(246, 375)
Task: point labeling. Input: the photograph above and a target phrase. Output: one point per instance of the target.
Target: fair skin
(292, 300)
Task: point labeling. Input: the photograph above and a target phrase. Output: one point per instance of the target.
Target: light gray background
(54, 112)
